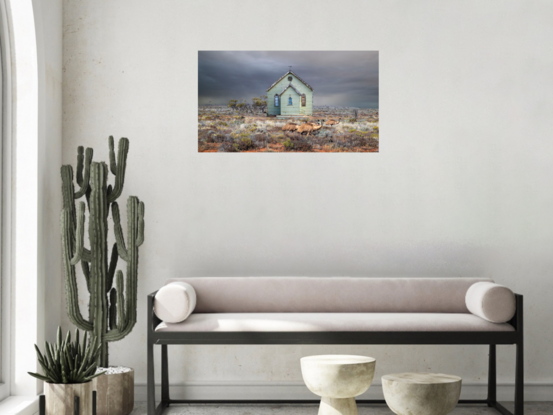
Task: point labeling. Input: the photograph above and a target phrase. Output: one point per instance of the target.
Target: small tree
(260, 103)
(232, 104)
(242, 106)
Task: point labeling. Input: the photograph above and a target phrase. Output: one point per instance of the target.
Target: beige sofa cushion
(286, 322)
(329, 294)
(490, 301)
(174, 302)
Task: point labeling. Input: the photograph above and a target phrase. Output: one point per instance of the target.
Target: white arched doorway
(31, 41)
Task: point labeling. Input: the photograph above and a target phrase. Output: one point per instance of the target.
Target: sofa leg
(519, 379)
(164, 374)
(492, 376)
(151, 380)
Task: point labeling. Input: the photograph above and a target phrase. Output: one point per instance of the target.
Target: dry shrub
(350, 141)
(215, 137)
(260, 140)
(227, 147)
(296, 142)
(245, 144)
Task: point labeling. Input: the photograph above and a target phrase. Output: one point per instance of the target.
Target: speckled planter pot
(115, 393)
(60, 398)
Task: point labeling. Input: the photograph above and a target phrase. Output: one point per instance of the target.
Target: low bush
(227, 147)
(324, 133)
(260, 140)
(245, 144)
(215, 137)
(296, 142)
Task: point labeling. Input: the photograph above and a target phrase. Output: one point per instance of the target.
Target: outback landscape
(246, 128)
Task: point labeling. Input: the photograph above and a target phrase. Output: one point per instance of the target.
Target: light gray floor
(531, 408)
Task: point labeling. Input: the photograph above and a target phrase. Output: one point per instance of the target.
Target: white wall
(33, 178)
(49, 32)
(461, 186)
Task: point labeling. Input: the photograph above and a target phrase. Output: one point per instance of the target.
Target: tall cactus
(111, 310)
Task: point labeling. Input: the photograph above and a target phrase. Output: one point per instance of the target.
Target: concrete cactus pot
(114, 392)
(60, 398)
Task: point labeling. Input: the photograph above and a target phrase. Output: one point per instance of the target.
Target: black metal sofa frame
(492, 339)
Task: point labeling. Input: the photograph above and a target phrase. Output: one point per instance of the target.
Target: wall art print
(288, 101)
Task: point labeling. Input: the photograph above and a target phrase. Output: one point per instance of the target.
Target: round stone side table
(421, 393)
(338, 379)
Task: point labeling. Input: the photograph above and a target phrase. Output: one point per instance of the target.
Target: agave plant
(67, 361)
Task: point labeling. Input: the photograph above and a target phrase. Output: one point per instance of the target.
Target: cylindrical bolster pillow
(492, 302)
(174, 302)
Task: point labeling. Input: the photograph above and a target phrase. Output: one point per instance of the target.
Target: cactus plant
(69, 362)
(111, 309)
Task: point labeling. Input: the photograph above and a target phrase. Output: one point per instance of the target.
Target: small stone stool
(421, 393)
(337, 379)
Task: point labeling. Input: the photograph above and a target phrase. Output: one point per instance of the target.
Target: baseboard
(533, 391)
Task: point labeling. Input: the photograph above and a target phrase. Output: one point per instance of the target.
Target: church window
(276, 100)
(303, 100)
(290, 100)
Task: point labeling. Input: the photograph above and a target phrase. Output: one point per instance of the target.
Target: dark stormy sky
(345, 79)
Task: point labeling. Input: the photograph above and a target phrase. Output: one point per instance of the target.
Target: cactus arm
(87, 196)
(134, 216)
(121, 248)
(86, 272)
(120, 169)
(81, 253)
(112, 265)
(98, 233)
(140, 238)
(71, 290)
(112, 163)
(113, 309)
(129, 305)
(86, 255)
(84, 180)
(79, 240)
(121, 315)
(80, 159)
(68, 192)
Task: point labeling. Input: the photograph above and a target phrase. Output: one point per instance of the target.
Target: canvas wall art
(288, 101)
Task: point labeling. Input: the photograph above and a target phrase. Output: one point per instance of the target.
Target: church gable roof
(290, 73)
(289, 86)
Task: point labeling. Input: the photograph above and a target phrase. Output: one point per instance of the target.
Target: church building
(290, 96)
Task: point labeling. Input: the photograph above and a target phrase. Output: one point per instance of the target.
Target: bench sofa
(335, 310)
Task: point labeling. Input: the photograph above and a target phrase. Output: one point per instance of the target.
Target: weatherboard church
(290, 96)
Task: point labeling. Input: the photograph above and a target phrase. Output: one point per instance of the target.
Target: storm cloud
(345, 79)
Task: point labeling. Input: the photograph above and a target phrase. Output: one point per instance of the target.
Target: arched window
(276, 100)
(303, 100)
(290, 100)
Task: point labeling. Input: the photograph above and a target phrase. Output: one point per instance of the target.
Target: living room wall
(32, 153)
(461, 186)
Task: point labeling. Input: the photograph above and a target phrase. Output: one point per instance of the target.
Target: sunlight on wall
(24, 294)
